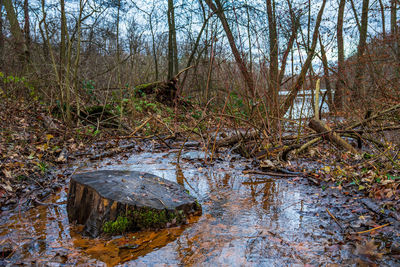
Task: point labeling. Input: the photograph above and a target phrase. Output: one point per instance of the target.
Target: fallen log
(237, 137)
(115, 202)
(330, 135)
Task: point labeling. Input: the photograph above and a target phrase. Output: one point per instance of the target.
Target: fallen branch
(330, 135)
(237, 138)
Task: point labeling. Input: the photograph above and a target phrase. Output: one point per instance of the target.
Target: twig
(140, 127)
(393, 108)
(334, 218)
(278, 174)
(163, 123)
(373, 229)
(182, 71)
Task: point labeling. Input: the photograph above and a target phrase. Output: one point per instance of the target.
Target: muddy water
(247, 220)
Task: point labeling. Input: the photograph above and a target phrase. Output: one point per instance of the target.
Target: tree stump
(115, 202)
(165, 92)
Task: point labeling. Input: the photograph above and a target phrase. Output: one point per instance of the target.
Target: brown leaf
(368, 249)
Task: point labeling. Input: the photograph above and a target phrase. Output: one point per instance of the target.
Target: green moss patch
(141, 219)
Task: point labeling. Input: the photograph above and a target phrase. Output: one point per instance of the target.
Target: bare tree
(300, 79)
(247, 76)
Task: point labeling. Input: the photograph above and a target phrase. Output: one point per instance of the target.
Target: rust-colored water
(246, 221)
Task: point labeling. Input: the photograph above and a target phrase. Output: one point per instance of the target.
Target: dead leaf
(368, 249)
(61, 158)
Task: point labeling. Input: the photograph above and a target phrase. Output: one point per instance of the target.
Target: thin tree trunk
(170, 41)
(353, 7)
(394, 32)
(196, 46)
(326, 75)
(47, 40)
(65, 96)
(27, 28)
(300, 79)
(393, 17)
(77, 58)
(358, 88)
(295, 27)
(63, 41)
(338, 100)
(153, 40)
(121, 91)
(1, 37)
(249, 37)
(174, 43)
(382, 9)
(273, 64)
(45, 47)
(239, 60)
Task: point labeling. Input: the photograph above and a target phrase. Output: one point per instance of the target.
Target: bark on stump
(116, 202)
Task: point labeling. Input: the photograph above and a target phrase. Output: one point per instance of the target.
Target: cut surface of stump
(116, 202)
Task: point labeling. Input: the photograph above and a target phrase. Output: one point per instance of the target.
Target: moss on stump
(115, 202)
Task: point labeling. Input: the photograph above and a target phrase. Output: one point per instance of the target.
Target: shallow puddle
(247, 220)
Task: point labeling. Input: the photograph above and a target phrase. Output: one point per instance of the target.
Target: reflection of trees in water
(179, 175)
(39, 229)
(269, 196)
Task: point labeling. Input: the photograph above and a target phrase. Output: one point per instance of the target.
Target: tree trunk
(195, 47)
(300, 80)
(63, 41)
(394, 32)
(393, 17)
(174, 43)
(340, 81)
(20, 45)
(77, 58)
(170, 40)
(239, 60)
(358, 87)
(153, 41)
(383, 18)
(45, 47)
(1, 37)
(249, 37)
(326, 75)
(273, 56)
(27, 27)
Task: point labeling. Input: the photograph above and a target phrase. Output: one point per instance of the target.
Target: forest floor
(34, 144)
